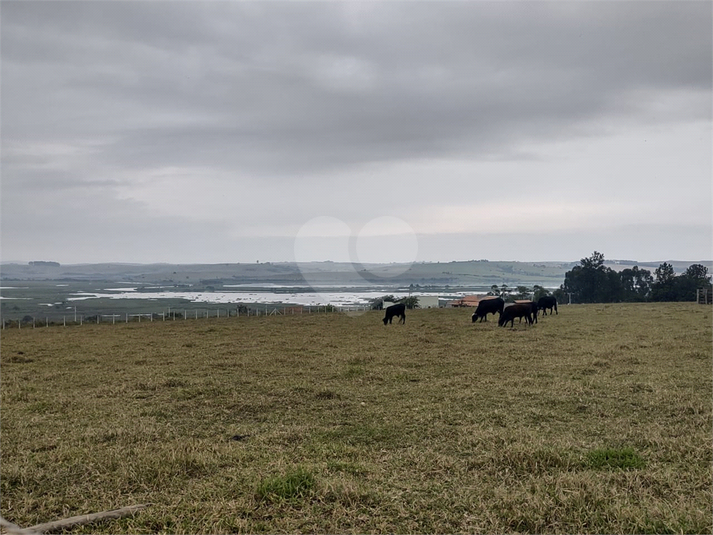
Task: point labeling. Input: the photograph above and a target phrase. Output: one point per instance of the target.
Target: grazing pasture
(596, 420)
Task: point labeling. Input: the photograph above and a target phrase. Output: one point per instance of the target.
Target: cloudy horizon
(376, 131)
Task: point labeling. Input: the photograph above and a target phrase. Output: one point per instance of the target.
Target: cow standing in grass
(548, 301)
(488, 306)
(398, 310)
(515, 311)
(533, 309)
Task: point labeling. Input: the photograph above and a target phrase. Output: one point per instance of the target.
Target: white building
(427, 301)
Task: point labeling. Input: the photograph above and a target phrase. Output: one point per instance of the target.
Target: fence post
(184, 315)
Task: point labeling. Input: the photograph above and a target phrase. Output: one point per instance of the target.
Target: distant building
(469, 300)
(427, 301)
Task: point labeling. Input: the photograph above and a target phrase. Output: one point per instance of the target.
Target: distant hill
(473, 273)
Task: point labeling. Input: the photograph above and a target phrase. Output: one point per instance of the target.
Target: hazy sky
(201, 132)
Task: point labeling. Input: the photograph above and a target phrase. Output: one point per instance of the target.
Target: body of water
(307, 298)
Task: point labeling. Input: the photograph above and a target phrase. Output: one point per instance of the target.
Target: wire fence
(71, 319)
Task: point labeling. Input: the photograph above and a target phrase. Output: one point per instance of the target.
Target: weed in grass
(612, 458)
(295, 484)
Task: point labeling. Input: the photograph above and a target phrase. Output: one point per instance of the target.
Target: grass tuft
(296, 484)
(611, 458)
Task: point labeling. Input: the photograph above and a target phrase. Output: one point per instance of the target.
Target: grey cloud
(277, 92)
(447, 77)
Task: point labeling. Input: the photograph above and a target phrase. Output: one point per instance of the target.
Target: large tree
(696, 276)
(592, 282)
(636, 284)
(664, 288)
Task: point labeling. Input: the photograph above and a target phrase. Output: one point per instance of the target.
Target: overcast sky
(379, 131)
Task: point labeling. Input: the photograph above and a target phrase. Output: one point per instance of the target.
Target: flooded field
(59, 302)
(53, 293)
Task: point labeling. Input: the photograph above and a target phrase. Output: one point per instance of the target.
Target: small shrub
(295, 484)
(609, 458)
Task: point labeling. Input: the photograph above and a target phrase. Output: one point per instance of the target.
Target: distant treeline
(592, 282)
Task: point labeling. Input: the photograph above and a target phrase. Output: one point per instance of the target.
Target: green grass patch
(295, 484)
(613, 458)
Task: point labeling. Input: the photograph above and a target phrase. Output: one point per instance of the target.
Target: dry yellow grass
(332, 423)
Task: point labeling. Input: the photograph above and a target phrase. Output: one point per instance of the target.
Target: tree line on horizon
(593, 282)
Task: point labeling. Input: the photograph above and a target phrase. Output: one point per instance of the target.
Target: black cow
(533, 309)
(545, 302)
(515, 311)
(398, 310)
(488, 306)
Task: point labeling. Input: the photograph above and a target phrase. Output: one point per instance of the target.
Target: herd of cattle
(527, 310)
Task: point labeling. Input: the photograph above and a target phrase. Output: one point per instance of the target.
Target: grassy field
(597, 420)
